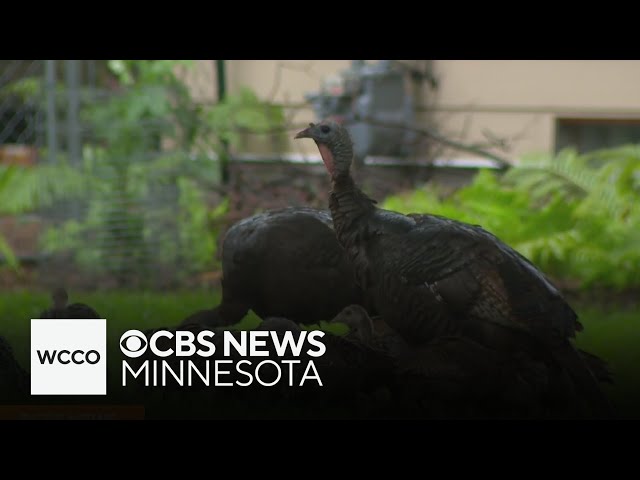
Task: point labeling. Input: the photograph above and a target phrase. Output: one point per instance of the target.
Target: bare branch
(503, 162)
(505, 143)
(307, 68)
(466, 126)
(427, 132)
(277, 81)
(280, 66)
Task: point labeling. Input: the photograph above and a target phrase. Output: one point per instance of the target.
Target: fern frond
(575, 216)
(7, 252)
(24, 189)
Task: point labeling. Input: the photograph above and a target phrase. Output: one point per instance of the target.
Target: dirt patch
(22, 233)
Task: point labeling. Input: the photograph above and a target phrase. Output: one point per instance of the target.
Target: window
(588, 134)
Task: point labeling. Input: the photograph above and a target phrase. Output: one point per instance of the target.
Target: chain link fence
(141, 150)
(141, 178)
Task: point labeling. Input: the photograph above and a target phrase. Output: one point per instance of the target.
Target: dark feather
(284, 263)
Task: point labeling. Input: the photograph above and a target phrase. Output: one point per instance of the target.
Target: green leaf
(575, 216)
(7, 252)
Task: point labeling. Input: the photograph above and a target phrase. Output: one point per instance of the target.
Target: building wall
(523, 98)
(518, 100)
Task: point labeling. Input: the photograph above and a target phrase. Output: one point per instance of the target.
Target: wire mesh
(133, 223)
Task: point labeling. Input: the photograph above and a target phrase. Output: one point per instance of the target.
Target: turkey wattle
(431, 277)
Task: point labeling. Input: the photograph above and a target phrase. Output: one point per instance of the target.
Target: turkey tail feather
(598, 367)
(584, 379)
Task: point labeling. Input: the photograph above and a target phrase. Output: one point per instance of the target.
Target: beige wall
(517, 99)
(553, 85)
(523, 97)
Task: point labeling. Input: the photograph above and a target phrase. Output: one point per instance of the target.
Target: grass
(614, 335)
(610, 332)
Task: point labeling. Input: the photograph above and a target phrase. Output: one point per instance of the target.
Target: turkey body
(459, 277)
(431, 277)
(451, 376)
(61, 310)
(283, 263)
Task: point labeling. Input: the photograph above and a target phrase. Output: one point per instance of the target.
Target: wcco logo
(68, 357)
(77, 356)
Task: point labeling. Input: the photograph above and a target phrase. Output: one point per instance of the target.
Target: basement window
(589, 134)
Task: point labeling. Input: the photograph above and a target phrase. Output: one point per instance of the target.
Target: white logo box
(75, 359)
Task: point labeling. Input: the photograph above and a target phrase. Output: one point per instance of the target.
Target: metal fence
(149, 215)
(126, 229)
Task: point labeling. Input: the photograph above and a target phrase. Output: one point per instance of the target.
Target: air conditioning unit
(366, 94)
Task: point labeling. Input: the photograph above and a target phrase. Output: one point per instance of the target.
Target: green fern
(542, 175)
(575, 216)
(242, 113)
(7, 252)
(26, 189)
(128, 167)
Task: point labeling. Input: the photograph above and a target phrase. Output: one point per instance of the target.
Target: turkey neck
(350, 208)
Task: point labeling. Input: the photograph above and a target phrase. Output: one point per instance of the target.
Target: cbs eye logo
(133, 343)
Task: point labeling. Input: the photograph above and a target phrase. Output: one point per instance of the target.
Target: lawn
(614, 335)
(611, 333)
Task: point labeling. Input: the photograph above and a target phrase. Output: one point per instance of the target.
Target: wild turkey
(14, 380)
(350, 371)
(284, 263)
(280, 325)
(355, 376)
(431, 277)
(457, 377)
(360, 324)
(450, 376)
(371, 331)
(61, 310)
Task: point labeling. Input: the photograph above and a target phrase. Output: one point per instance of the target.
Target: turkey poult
(430, 277)
(377, 334)
(282, 263)
(450, 377)
(360, 324)
(61, 310)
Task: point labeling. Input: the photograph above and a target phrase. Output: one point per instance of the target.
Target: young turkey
(432, 277)
(283, 263)
(450, 377)
(360, 324)
(61, 310)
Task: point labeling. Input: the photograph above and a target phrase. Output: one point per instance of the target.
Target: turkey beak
(304, 134)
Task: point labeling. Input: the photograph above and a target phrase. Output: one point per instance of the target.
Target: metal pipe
(91, 74)
(222, 92)
(73, 125)
(50, 87)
